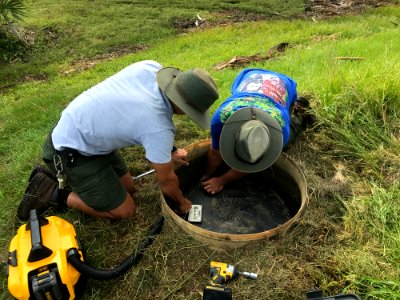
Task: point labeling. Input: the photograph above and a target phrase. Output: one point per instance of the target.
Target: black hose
(93, 273)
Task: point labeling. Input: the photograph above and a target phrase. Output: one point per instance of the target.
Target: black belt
(70, 156)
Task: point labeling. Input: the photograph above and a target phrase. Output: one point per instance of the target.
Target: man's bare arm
(214, 159)
(169, 185)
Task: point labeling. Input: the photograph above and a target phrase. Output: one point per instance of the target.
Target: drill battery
(217, 293)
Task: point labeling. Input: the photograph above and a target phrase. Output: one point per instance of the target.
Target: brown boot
(40, 169)
(41, 194)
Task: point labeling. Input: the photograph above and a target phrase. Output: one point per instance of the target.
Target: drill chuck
(249, 275)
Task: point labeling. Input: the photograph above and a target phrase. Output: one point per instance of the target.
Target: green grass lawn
(66, 31)
(349, 237)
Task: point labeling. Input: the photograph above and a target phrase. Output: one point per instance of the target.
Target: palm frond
(12, 10)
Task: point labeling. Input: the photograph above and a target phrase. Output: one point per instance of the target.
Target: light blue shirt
(126, 109)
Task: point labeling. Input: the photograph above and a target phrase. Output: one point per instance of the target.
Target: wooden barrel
(292, 179)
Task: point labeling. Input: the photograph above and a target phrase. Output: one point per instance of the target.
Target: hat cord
(253, 114)
(253, 117)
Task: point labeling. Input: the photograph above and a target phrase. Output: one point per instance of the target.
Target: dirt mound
(312, 8)
(326, 8)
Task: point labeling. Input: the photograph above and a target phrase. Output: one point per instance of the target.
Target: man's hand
(180, 156)
(213, 185)
(216, 184)
(184, 207)
(169, 185)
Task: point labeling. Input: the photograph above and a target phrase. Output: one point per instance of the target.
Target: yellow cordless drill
(220, 274)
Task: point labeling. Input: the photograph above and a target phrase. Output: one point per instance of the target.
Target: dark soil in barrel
(254, 204)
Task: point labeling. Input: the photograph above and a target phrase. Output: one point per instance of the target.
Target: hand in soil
(213, 185)
(183, 207)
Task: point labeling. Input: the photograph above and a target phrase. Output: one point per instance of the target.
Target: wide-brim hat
(251, 140)
(193, 91)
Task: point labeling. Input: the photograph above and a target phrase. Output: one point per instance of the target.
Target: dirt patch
(324, 8)
(220, 18)
(239, 61)
(313, 8)
(36, 77)
(48, 36)
(84, 64)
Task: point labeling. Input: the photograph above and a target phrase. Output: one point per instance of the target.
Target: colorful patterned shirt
(272, 92)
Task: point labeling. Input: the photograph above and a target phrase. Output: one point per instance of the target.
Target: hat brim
(228, 140)
(165, 79)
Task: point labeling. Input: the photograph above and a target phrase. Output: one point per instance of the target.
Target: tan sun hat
(251, 140)
(193, 91)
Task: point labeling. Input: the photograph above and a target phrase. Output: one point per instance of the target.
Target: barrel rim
(283, 159)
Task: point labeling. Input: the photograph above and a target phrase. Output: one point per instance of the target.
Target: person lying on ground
(249, 130)
(133, 107)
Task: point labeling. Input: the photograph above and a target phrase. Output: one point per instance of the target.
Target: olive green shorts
(94, 178)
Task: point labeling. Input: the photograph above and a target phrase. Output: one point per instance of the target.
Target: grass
(374, 219)
(348, 239)
(84, 29)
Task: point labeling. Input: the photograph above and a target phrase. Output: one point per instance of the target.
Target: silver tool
(143, 174)
(249, 275)
(61, 177)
